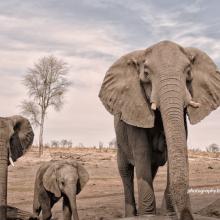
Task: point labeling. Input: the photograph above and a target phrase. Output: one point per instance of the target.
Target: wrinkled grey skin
(149, 92)
(16, 136)
(56, 179)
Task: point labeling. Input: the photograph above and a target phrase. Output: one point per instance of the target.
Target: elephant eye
(146, 69)
(62, 182)
(188, 74)
(147, 72)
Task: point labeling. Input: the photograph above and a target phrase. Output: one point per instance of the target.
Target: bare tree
(112, 143)
(46, 83)
(70, 144)
(213, 148)
(101, 145)
(55, 143)
(81, 145)
(64, 143)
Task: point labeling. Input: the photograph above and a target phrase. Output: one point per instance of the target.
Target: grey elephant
(16, 136)
(150, 92)
(56, 179)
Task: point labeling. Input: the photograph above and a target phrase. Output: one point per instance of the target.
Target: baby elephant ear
(83, 177)
(121, 91)
(50, 181)
(205, 85)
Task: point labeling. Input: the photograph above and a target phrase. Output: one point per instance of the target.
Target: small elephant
(56, 179)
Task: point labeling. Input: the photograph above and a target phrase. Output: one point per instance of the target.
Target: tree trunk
(171, 106)
(3, 178)
(41, 144)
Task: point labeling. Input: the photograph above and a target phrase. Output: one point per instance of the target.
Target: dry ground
(102, 198)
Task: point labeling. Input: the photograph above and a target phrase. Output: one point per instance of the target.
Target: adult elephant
(16, 135)
(150, 92)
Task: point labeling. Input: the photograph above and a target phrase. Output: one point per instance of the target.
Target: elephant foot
(167, 206)
(186, 215)
(130, 210)
(34, 217)
(146, 200)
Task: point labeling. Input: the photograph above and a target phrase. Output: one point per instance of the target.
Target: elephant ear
(50, 181)
(83, 177)
(205, 85)
(121, 92)
(22, 138)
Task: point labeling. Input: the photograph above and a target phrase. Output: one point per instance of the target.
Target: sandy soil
(102, 198)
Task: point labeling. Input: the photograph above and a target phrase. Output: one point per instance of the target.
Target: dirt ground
(102, 198)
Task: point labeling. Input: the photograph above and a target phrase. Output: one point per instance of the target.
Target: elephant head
(173, 80)
(66, 178)
(16, 136)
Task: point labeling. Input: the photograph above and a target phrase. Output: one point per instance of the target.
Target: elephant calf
(56, 179)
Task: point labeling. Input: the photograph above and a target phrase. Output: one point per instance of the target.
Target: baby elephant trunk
(74, 208)
(71, 204)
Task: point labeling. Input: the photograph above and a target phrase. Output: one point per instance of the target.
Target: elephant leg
(36, 211)
(36, 205)
(45, 202)
(126, 171)
(67, 212)
(142, 153)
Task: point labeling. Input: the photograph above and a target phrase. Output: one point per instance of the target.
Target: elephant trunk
(3, 179)
(71, 195)
(74, 208)
(172, 111)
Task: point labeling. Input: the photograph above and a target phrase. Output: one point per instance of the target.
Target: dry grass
(102, 198)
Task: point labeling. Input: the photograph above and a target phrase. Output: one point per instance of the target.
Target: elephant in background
(150, 92)
(56, 179)
(16, 136)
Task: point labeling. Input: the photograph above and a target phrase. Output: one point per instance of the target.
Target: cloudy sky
(89, 35)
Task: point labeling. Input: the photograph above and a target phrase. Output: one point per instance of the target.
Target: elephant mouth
(158, 139)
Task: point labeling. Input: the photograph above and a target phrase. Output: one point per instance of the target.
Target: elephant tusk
(194, 104)
(11, 161)
(153, 106)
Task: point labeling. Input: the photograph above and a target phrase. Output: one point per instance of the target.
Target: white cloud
(11, 91)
